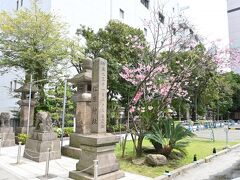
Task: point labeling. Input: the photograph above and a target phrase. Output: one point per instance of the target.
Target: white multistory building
(92, 13)
(234, 27)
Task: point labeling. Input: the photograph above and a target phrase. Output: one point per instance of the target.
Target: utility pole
(63, 113)
(29, 103)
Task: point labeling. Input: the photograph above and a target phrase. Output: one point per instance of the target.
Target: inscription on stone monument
(99, 96)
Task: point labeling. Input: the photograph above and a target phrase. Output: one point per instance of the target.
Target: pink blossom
(164, 90)
(132, 109)
(137, 97)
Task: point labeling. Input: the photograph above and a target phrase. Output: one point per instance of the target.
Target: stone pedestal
(7, 135)
(42, 139)
(83, 114)
(6, 132)
(24, 117)
(24, 107)
(83, 125)
(73, 150)
(37, 146)
(97, 147)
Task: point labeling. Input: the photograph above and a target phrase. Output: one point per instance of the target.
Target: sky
(209, 18)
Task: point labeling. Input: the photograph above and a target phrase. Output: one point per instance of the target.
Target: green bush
(68, 131)
(116, 128)
(69, 123)
(58, 131)
(167, 136)
(22, 138)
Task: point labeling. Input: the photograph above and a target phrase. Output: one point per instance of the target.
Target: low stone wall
(187, 167)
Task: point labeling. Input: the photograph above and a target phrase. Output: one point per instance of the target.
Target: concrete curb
(187, 167)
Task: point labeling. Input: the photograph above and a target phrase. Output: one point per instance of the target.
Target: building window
(145, 31)
(145, 3)
(121, 14)
(21, 2)
(161, 17)
(17, 4)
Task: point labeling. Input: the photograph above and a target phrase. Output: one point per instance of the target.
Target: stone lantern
(24, 108)
(83, 108)
(83, 97)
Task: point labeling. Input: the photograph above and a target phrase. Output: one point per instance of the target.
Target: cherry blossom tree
(163, 73)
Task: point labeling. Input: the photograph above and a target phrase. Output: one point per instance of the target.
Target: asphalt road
(223, 167)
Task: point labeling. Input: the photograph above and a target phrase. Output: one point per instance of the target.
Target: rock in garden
(156, 159)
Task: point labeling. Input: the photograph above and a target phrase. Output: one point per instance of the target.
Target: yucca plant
(167, 136)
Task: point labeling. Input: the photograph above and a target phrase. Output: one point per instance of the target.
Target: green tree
(115, 43)
(76, 54)
(234, 80)
(34, 41)
(54, 102)
(202, 79)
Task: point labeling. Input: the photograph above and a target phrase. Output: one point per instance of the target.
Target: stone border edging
(182, 169)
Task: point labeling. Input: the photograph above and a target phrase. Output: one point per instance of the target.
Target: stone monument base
(73, 150)
(7, 136)
(97, 147)
(37, 145)
(84, 176)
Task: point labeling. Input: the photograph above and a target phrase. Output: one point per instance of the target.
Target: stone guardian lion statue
(43, 122)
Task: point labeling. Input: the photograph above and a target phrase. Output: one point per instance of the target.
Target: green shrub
(69, 123)
(68, 131)
(168, 136)
(116, 128)
(58, 131)
(22, 138)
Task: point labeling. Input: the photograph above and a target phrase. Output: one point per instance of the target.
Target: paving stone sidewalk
(4, 174)
(30, 170)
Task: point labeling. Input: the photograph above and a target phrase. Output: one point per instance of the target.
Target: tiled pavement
(30, 170)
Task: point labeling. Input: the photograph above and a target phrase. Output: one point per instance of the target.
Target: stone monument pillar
(41, 139)
(98, 145)
(83, 110)
(24, 107)
(6, 132)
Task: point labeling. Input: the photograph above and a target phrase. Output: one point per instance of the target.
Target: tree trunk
(157, 146)
(193, 113)
(41, 94)
(139, 146)
(40, 76)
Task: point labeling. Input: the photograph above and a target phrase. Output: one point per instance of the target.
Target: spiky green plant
(168, 136)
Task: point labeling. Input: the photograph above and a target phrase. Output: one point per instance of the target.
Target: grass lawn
(200, 147)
